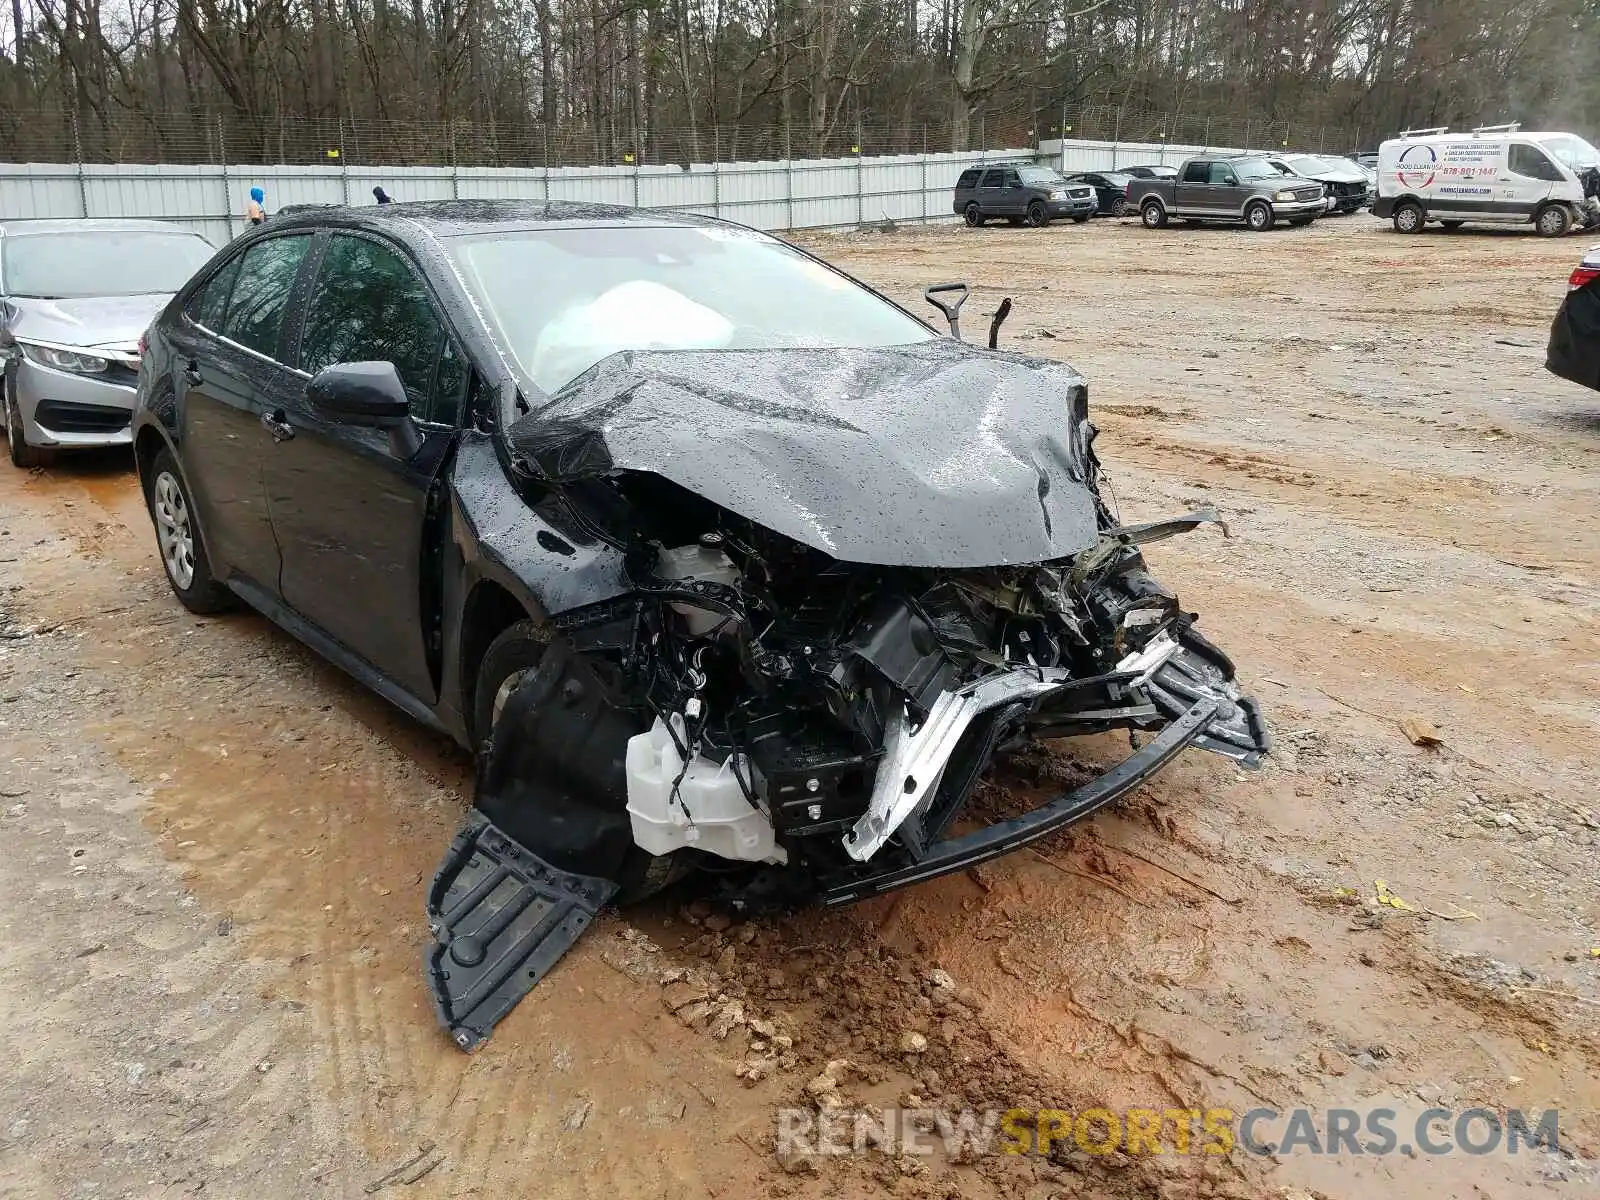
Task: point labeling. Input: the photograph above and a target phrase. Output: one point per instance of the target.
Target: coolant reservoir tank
(699, 562)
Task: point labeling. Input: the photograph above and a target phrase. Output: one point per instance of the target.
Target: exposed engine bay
(800, 725)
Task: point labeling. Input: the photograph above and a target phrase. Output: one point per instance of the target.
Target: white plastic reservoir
(719, 819)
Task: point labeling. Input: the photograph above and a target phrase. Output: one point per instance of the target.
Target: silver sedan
(75, 297)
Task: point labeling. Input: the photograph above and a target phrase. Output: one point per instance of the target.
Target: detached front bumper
(1182, 690)
(968, 850)
(65, 411)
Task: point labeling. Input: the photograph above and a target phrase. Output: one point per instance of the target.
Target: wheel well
(145, 448)
(490, 610)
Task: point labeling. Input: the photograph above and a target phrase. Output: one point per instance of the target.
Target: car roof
(458, 218)
(16, 227)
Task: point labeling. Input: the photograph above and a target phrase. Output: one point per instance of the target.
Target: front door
(351, 514)
(228, 374)
(1525, 181)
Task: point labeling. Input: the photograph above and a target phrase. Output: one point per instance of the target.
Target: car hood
(103, 321)
(933, 454)
(1339, 175)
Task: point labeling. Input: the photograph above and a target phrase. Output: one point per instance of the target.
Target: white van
(1495, 174)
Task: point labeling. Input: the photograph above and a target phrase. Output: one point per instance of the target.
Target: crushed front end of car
(849, 581)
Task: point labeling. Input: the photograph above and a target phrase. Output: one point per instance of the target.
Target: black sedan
(715, 556)
(1153, 171)
(1574, 349)
(1110, 191)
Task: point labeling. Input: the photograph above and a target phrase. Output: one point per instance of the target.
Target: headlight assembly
(75, 361)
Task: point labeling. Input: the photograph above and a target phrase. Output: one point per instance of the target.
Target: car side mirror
(1230, 181)
(360, 393)
(368, 395)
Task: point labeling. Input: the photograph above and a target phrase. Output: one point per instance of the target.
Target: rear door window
(209, 305)
(1198, 172)
(260, 293)
(994, 179)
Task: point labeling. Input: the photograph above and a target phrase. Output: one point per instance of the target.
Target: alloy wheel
(174, 530)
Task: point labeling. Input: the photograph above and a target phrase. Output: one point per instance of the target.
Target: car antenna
(1000, 315)
(950, 309)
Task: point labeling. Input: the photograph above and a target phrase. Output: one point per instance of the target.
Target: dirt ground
(213, 846)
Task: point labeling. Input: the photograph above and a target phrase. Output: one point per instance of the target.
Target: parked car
(1368, 160)
(1020, 194)
(1241, 187)
(74, 297)
(1574, 349)
(1110, 191)
(1496, 174)
(705, 547)
(1344, 183)
(1160, 171)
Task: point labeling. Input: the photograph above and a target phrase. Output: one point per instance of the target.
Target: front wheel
(974, 216)
(513, 655)
(1120, 207)
(183, 554)
(1258, 217)
(1553, 221)
(1154, 215)
(1038, 217)
(1408, 218)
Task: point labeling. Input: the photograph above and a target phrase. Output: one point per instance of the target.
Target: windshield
(563, 299)
(1254, 168)
(72, 266)
(1572, 150)
(1040, 175)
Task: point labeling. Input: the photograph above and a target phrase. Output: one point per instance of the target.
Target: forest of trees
(509, 81)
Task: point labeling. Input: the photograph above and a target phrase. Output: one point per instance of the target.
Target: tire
(1553, 221)
(1082, 218)
(1038, 215)
(515, 651)
(1154, 214)
(974, 215)
(1409, 218)
(178, 540)
(1452, 226)
(23, 456)
(1258, 216)
(1120, 207)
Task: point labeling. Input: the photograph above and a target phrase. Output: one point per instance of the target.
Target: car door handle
(277, 425)
(191, 374)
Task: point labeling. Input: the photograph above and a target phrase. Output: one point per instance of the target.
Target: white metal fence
(815, 193)
(802, 194)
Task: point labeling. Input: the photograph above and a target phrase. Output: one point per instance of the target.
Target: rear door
(229, 372)
(1194, 192)
(993, 196)
(352, 515)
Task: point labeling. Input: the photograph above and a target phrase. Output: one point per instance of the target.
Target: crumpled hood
(95, 321)
(1340, 175)
(934, 454)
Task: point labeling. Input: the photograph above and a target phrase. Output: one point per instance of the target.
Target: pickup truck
(1240, 187)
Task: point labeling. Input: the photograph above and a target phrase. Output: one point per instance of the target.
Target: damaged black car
(720, 561)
